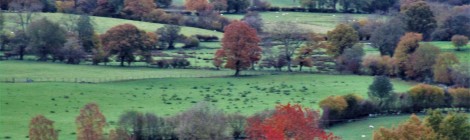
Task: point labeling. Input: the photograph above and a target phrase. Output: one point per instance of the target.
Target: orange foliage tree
(287, 122)
(197, 5)
(442, 69)
(412, 129)
(125, 40)
(426, 96)
(240, 46)
(461, 97)
(90, 123)
(138, 9)
(406, 47)
(42, 128)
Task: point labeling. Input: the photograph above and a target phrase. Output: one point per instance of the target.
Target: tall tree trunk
(122, 61)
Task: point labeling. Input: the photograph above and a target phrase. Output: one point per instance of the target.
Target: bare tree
(25, 10)
(291, 37)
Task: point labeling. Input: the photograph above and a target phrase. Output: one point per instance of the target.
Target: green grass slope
(278, 3)
(317, 22)
(102, 24)
(165, 96)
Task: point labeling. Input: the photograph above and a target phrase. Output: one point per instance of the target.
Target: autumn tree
(46, 38)
(461, 75)
(350, 60)
(237, 124)
(240, 45)
(25, 10)
(379, 65)
(168, 35)
(459, 41)
(413, 128)
(381, 91)
(461, 97)
(342, 37)
(332, 107)
(124, 41)
(98, 52)
(290, 35)
(426, 96)
(451, 126)
(419, 18)
(197, 5)
(442, 68)
(90, 123)
(406, 47)
(304, 57)
(288, 122)
(387, 36)
(201, 122)
(41, 128)
(137, 9)
(421, 62)
(218, 59)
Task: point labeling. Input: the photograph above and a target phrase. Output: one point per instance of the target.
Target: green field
(102, 24)
(445, 46)
(278, 3)
(317, 22)
(355, 130)
(164, 96)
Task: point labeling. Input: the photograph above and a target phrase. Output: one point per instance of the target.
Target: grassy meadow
(277, 3)
(102, 24)
(316, 22)
(164, 96)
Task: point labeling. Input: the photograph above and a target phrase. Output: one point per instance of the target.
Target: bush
(380, 91)
(377, 65)
(191, 42)
(179, 63)
(201, 122)
(338, 109)
(426, 96)
(207, 38)
(461, 97)
(162, 63)
(459, 41)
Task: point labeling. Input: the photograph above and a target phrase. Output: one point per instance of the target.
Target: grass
(278, 3)
(58, 71)
(355, 130)
(445, 46)
(102, 24)
(317, 22)
(166, 96)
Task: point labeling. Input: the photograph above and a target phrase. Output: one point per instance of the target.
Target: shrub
(426, 96)
(191, 42)
(377, 65)
(162, 63)
(201, 122)
(207, 38)
(461, 97)
(179, 63)
(459, 41)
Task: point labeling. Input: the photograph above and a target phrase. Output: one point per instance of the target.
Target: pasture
(316, 22)
(102, 24)
(277, 3)
(164, 96)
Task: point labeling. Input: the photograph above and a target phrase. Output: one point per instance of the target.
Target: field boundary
(127, 78)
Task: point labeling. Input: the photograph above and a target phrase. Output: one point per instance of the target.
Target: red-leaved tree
(90, 123)
(287, 122)
(42, 128)
(240, 46)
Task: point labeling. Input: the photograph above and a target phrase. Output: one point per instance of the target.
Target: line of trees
(202, 121)
(383, 100)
